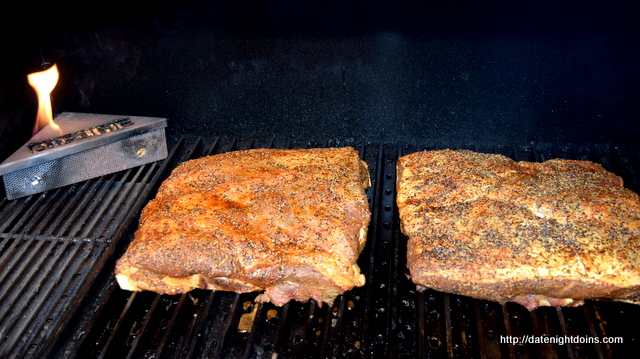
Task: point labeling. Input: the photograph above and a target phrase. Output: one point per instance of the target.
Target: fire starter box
(84, 146)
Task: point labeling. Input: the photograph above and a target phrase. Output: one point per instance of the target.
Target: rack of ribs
(289, 223)
(539, 234)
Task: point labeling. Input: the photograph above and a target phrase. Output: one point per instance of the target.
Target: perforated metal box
(85, 146)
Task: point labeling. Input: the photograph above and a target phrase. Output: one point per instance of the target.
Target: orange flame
(44, 82)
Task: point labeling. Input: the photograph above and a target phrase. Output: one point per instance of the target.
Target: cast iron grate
(59, 297)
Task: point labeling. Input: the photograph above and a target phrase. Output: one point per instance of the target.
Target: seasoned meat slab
(552, 233)
(291, 223)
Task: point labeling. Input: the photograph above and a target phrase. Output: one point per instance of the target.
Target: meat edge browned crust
(137, 279)
(531, 292)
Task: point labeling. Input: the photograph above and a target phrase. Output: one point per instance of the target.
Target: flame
(44, 82)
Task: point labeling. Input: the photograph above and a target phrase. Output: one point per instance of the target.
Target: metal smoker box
(85, 146)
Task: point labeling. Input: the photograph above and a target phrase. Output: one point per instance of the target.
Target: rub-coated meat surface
(552, 233)
(291, 223)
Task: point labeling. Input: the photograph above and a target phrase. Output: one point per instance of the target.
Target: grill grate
(52, 245)
(58, 296)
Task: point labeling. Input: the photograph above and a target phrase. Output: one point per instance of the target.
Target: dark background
(451, 72)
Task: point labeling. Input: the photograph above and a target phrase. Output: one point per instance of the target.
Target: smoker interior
(488, 71)
(59, 298)
(387, 77)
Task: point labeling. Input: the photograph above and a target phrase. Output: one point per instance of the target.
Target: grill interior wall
(60, 298)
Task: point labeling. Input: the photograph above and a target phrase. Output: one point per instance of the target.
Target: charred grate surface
(59, 298)
(53, 244)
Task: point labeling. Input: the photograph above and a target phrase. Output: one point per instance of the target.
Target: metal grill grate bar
(69, 264)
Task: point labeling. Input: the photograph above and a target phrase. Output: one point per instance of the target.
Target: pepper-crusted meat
(289, 222)
(551, 233)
